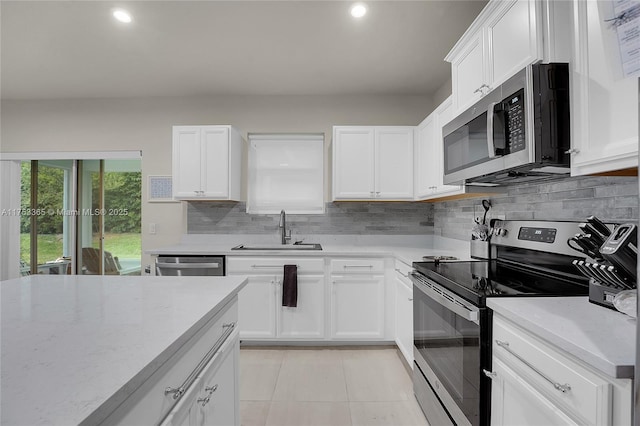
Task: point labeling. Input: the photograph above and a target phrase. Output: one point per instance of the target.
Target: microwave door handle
(490, 143)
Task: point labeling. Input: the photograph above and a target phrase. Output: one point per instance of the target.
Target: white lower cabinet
(261, 314)
(536, 383)
(176, 393)
(350, 302)
(220, 387)
(404, 311)
(210, 400)
(357, 299)
(516, 402)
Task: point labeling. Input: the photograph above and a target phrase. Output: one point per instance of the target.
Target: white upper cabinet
(429, 157)
(468, 76)
(507, 36)
(512, 35)
(206, 163)
(604, 108)
(373, 162)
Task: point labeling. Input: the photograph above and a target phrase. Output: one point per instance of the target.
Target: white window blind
(286, 172)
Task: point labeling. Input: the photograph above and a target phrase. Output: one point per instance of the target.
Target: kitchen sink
(291, 247)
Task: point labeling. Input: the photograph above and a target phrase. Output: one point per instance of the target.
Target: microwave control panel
(514, 121)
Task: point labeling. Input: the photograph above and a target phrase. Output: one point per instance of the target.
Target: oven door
(448, 351)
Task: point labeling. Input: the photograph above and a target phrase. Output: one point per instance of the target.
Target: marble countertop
(73, 344)
(603, 338)
(407, 253)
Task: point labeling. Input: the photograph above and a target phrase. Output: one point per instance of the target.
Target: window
(286, 172)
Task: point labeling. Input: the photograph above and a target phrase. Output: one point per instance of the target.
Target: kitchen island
(77, 349)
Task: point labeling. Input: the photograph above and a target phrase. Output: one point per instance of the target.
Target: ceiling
(75, 49)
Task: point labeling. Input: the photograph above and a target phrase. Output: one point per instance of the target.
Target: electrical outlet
(152, 228)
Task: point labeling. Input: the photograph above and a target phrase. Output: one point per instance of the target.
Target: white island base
(103, 350)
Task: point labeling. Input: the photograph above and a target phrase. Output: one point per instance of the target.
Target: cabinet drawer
(273, 265)
(403, 269)
(357, 266)
(579, 391)
(149, 402)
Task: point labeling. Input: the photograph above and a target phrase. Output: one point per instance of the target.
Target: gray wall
(613, 199)
(145, 124)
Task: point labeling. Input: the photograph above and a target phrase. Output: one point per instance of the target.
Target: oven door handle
(470, 313)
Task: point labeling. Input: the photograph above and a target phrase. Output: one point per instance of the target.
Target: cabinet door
(215, 161)
(404, 317)
(444, 115)
(468, 74)
(307, 319)
(513, 39)
(604, 108)
(219, 395)
(429, 155)
(515, 402)
(187, 162)
(394, 163)
(256, 307)
(353, 163)
(357, 307)
(185, 413)
(426, 175)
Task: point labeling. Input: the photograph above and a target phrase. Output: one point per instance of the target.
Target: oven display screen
(542, 235)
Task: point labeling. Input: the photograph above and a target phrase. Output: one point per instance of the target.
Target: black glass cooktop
(477, 280)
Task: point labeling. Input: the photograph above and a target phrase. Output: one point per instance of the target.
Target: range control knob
(501, 232)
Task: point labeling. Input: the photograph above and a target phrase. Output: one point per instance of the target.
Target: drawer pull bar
(358, 266)
(562, 388)
(270, 266)
(400, 272)
(178, 392)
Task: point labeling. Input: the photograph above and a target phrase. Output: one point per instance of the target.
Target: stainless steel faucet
(283, 228)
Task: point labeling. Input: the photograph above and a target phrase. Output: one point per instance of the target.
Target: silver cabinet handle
(179, 391)
(358, 266)
(173, 265)
(562, 388)
(269, 266)
(400, 272)
(489, 374)
(572, 151)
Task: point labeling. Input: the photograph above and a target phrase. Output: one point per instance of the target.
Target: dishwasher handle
(172, 265)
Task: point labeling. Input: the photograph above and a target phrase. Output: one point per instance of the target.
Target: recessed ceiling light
(358, 10)
(122, 15)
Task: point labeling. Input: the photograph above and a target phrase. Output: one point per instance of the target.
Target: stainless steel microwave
(518, 132)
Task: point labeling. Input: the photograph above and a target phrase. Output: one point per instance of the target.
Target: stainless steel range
(452, 326)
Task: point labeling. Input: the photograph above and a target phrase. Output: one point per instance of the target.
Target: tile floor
(326, 387)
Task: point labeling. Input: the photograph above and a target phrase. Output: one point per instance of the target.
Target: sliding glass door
(109, 228)
(81, 216)
(46, 243)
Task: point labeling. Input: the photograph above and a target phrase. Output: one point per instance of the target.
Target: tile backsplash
(357, 218)
(613, 199)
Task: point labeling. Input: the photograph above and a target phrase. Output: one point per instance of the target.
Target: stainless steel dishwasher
(190, 265)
